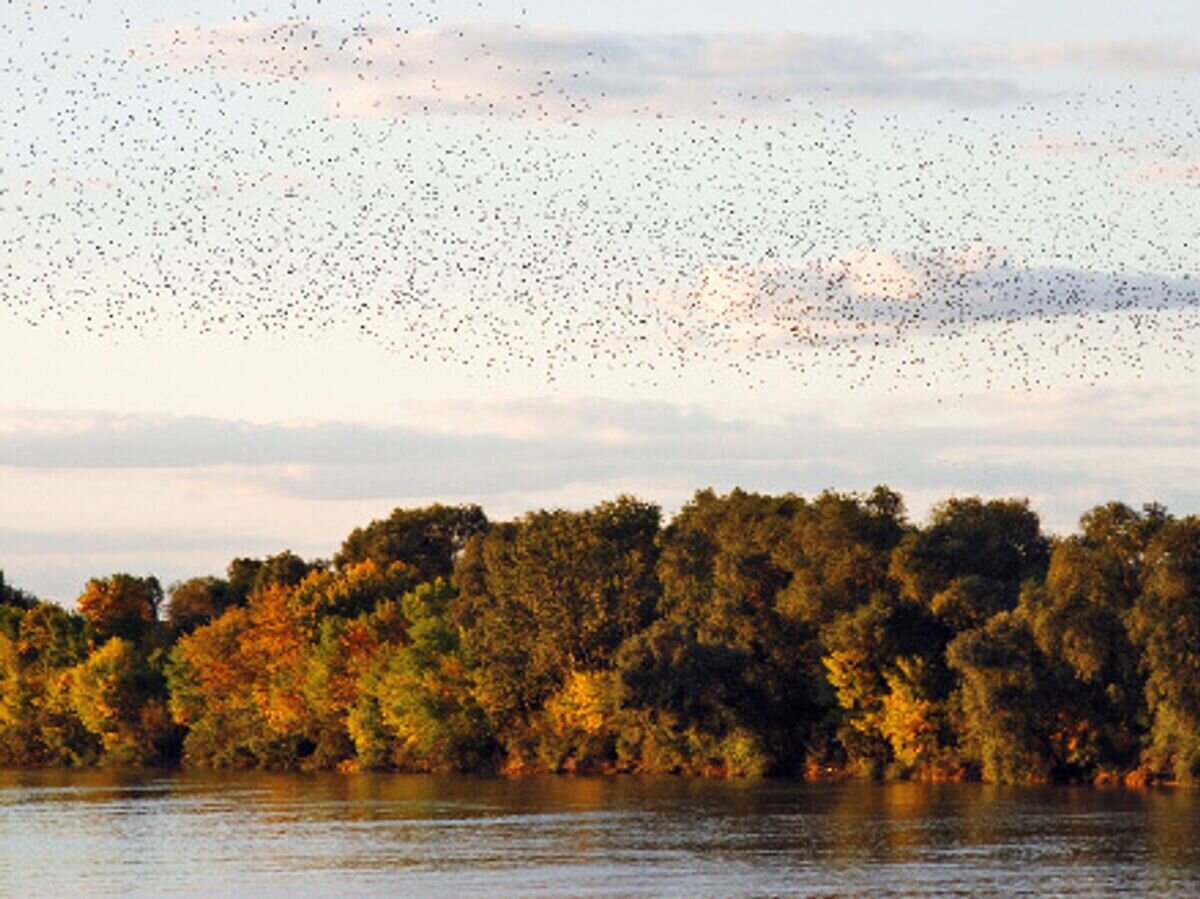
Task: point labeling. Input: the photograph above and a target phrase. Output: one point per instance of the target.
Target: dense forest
(751, 634)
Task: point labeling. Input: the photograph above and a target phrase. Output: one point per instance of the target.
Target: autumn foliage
(749, 635)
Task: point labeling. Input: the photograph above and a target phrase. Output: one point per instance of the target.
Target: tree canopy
(748, 634)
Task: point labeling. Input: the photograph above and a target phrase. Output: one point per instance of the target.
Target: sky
(271, 269)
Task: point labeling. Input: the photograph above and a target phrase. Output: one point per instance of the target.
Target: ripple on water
(100, 834)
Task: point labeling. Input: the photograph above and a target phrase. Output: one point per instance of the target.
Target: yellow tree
(120, 606)
(115, 694)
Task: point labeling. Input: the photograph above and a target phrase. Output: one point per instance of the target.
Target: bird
(505, 196)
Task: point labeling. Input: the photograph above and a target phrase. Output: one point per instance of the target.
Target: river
(85, 834)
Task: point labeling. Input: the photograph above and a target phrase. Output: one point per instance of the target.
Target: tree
(416, 711)
(210, 688)
(10, 596)
(238, 683)
(726, 570)
(1165, 623)
(552, 593)
(339, 669)
(273, 683)
(429, 539)
(998, 544)
(50, 637)
(1079, 618)
(242, 574)
(913, 721)
(884, 662)
(15, 740)
(1006, 701)
(120, 606)
(347, 593)
(837, 552)
(38, 723)
(121, 699)
(685, 704)
(754, 634)
(197, 601)
(247, 576)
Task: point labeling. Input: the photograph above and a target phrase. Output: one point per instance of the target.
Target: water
(108, 833)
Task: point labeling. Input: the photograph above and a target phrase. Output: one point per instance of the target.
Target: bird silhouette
(503, 196)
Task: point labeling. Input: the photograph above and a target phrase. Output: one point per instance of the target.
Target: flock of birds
(500, 196)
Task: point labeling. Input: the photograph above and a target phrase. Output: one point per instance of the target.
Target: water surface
(115, 833)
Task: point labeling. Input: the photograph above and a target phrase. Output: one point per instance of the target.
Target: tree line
(751, 634)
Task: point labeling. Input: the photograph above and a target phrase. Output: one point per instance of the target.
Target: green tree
(884, 663)
(242, 574)
(428, 540)
(247, 576)
(550, 594)
(997, 544)
(725, 570)
(837, 553)
(10, 596)
(685, 704)
(1007, 707)
(1079, 618)
(1165, 622)
(416, 711)
(339, 669)
(121, 698)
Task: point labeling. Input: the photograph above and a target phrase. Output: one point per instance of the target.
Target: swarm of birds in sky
(470, 186)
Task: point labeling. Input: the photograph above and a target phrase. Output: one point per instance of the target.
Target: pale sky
(268, 270)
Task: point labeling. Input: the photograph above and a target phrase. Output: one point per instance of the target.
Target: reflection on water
(120, 833)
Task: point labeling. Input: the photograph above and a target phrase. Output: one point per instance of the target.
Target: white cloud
(99, 511)
(875, 296)
(378, 69)
(1108, 57)
(877, 275)
(1166, 173)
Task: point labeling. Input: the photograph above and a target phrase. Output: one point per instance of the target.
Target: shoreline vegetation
(750, 635)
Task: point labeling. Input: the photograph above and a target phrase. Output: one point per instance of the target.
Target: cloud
(1166, 173)
(1106, 57)
(449, 435)
(378, 69)
(887, 297)
(121, 496)
(540, 445)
